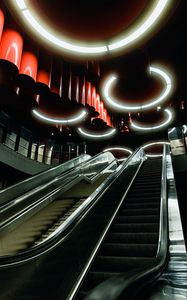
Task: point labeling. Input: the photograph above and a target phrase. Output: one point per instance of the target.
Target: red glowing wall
(11, 46)
(29, 64)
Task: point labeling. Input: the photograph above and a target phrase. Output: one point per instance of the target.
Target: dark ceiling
(90, 20)
(94, 20)
(102, 19)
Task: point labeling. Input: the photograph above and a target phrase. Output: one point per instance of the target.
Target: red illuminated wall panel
(82, 94)
(43, 77)
(88, 92)
(108, 121)
(11, 46)
(97, 103)
(101, 110)
(2, 19)
(29, 64)
(93, 101)
(104, 115)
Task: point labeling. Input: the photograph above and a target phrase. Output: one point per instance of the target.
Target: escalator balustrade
(42, 224)
(132, 240)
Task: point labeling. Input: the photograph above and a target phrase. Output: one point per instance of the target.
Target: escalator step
(142, 204)
(129, 237)
(139, 211)
(140, 184)
(130, 250)
(94, 278)
(141, 188)
(138, 219)
(145, 192)
(120, 264)
(142, 198)
(138, 227)
(148, 179)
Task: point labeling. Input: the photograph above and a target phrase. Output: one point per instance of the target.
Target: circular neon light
(75, 119)
(117, 105)
(169, 118)
(153, 144)
(171, 130)
(122, 41)
(118, 149)
(93, 135)
(184, 127)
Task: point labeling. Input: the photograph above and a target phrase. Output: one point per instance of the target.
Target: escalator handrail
(131, 283)
(63, 179)
(41, 183)
(95, 176)
(49, 244)
(30, 183)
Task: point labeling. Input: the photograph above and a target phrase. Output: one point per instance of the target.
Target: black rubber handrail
(24, 186)
(128, 285)
(49, 244)
(51, 189)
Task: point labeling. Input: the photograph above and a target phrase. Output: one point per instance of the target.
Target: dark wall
(180, 172)
(10, 176)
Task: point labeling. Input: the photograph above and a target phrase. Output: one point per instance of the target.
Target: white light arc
(141, 29)
(116, 104)
(46, 118)
(184, 127)
(171, 130)
(153, 144)
(118, 149)
(94, 135)
(152, 128)
(122, 41)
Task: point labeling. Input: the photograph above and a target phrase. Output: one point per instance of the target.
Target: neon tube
(118, 149)
(74, 119)
(152, 144)
(153, 102)
(138, 127)
(96, 136)
(123, 41)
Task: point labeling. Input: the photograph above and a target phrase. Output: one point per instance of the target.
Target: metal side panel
(52, 273)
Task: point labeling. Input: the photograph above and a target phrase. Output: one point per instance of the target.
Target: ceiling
(101, 20)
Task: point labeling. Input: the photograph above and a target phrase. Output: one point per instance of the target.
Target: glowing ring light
(118, 149)
(171, 130)
(96, 136)
(152, 144)
(122, 41)
(184, 128)
(61, 120)
(138, 127)
(118, 106)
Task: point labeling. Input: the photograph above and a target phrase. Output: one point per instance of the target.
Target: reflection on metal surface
(172, 285)
(121, 149)
(176, 136)
(184, 127)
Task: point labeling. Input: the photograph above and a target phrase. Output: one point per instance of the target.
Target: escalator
(115, 241)
(18, 189)
(132, 240)
(26, 225)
